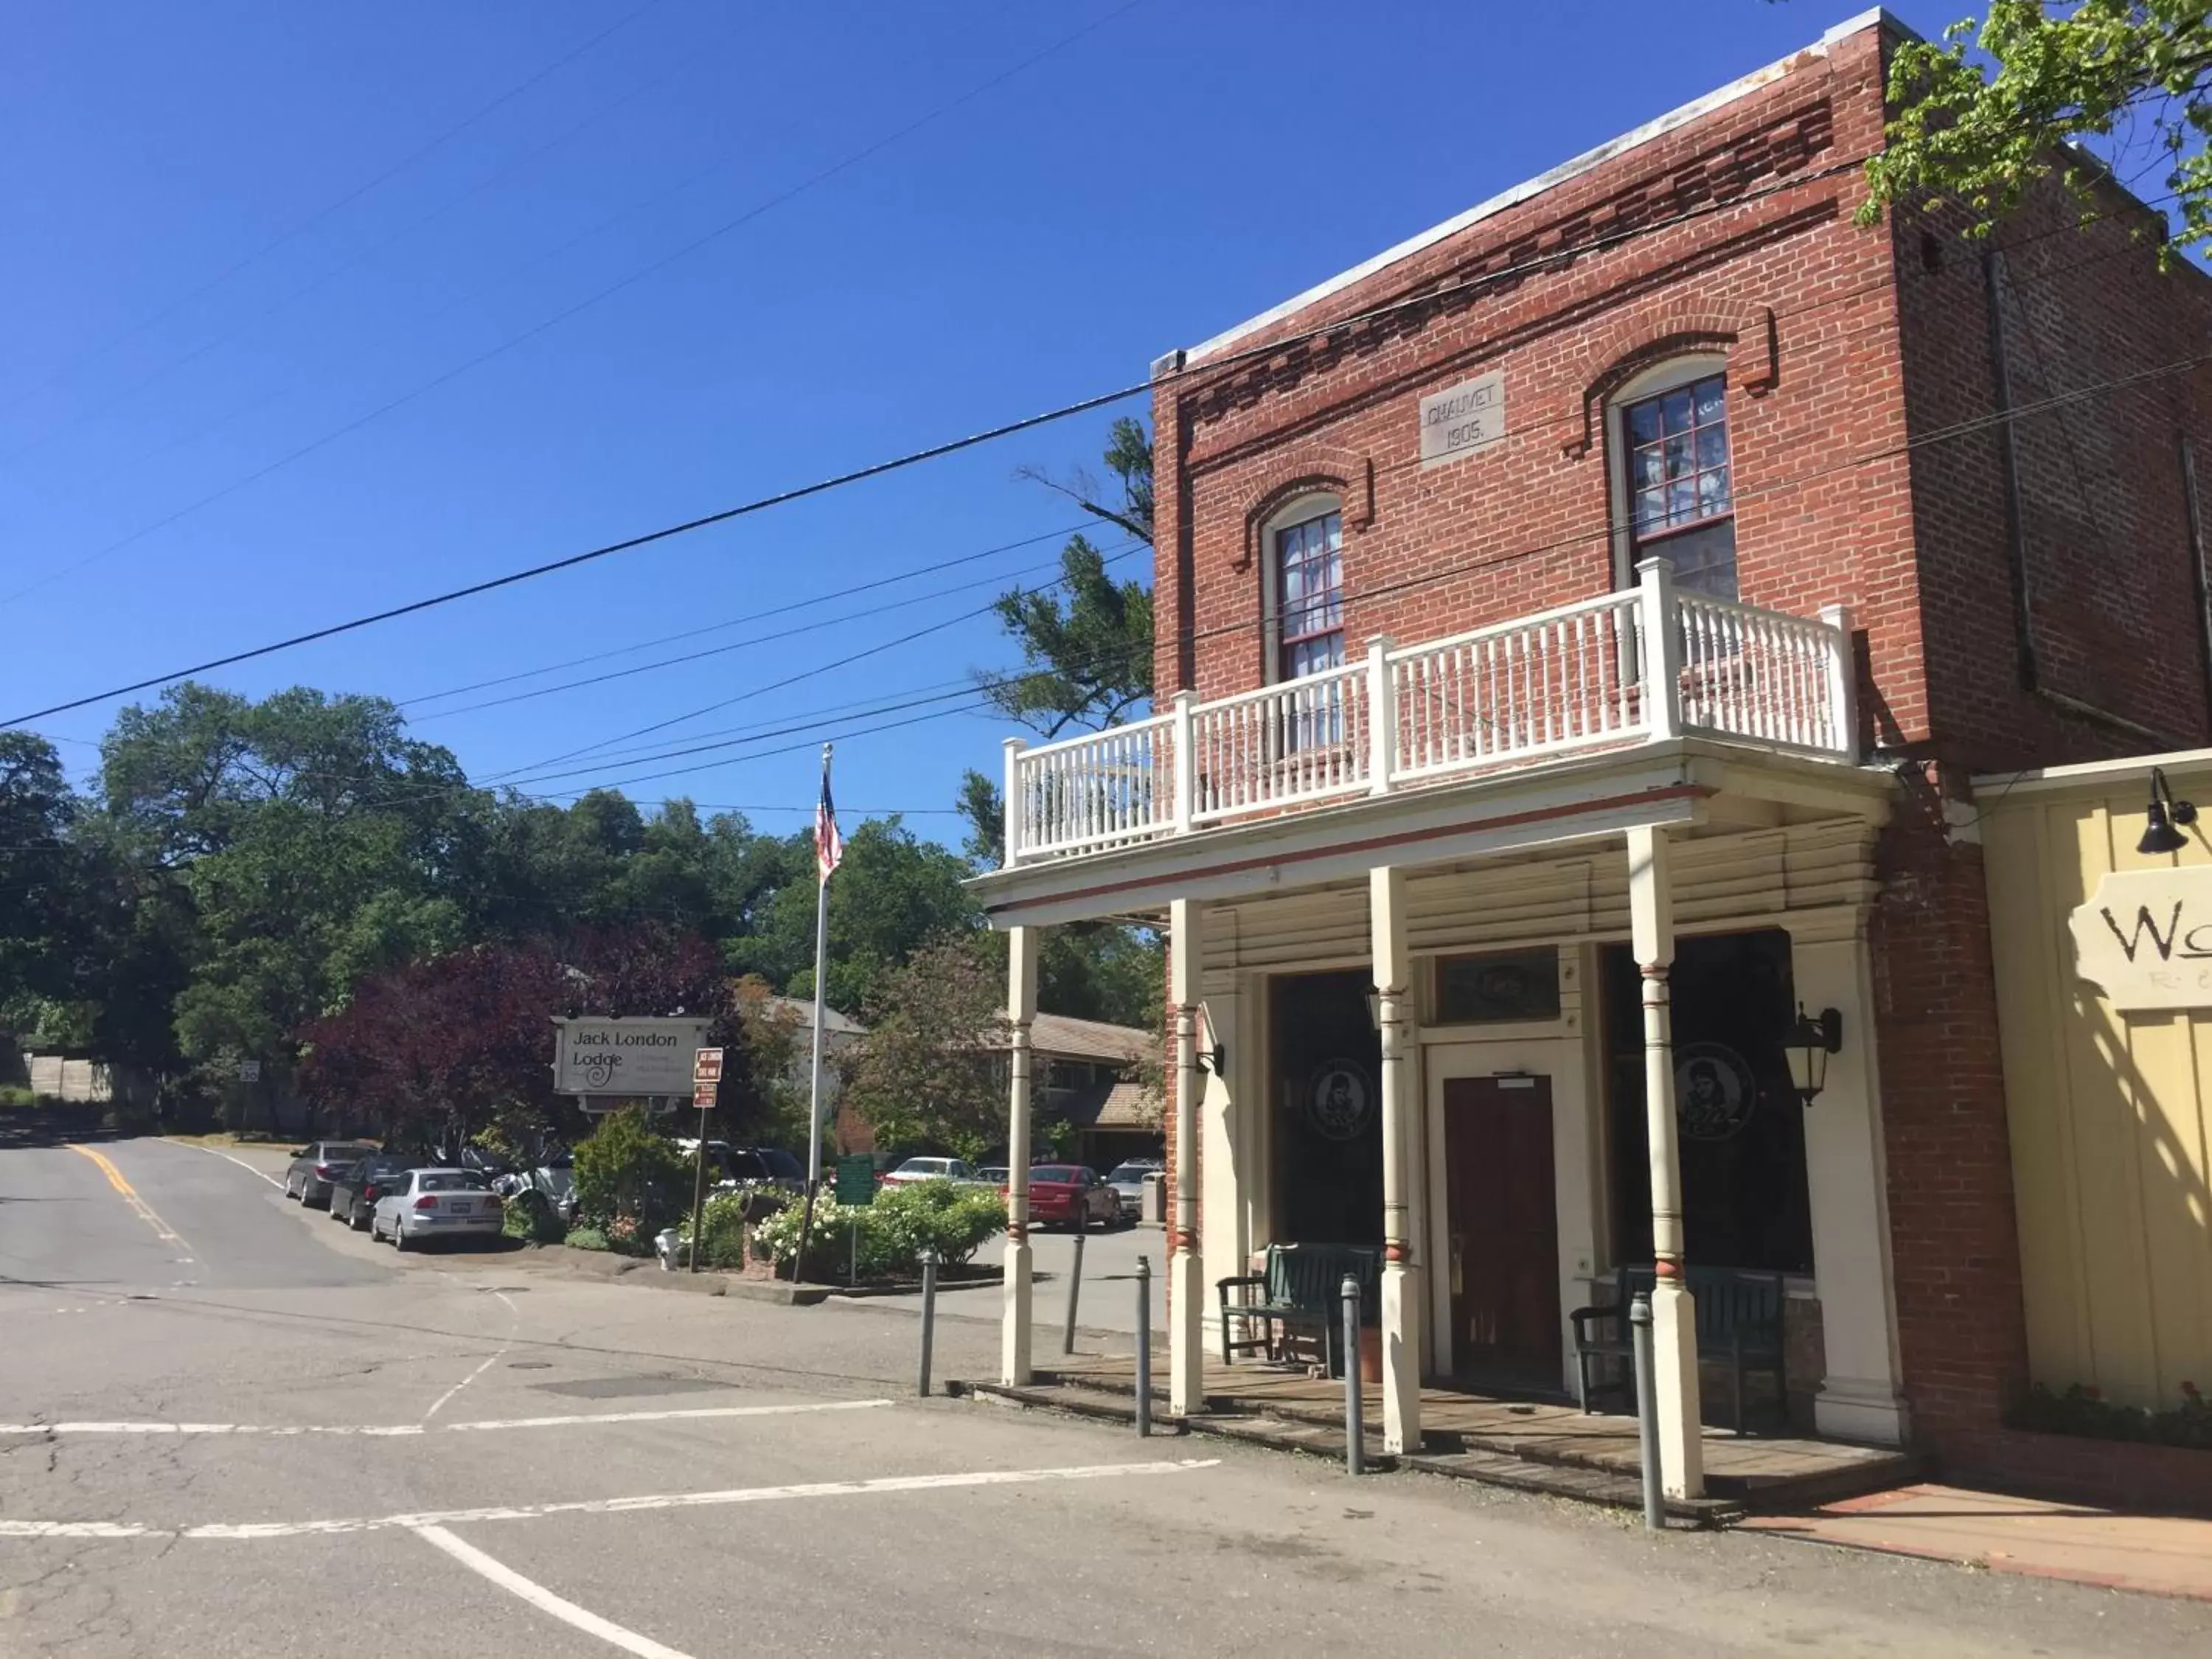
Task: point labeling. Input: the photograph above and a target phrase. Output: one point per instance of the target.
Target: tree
(1086, 663)
(469, 1034)
(929, 1071)
(2130, 73)
(40, 888)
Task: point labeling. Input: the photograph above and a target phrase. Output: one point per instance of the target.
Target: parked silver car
(1128, 1181)
(308, 1176)
(437, 1204)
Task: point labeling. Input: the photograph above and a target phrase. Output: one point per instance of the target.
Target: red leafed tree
(471, 1034)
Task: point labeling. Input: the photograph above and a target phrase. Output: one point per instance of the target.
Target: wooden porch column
(1673, 1316)
(1186, 1270)
(1400, 1316)
(1021, 1009)
(1186, 1274)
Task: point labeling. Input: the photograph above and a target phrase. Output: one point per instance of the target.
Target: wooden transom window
(1680, 504)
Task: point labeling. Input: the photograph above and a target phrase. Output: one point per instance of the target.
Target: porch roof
(1689, 784)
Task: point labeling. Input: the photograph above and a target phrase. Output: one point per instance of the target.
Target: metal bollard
(1074, 1291)
(1355, 1409)
(928, 1315)
(1144, 1346)
(1647, 1410)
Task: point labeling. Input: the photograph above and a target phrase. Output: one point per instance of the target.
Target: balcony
(1647, 664)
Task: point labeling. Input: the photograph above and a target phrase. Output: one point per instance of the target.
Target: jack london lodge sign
(633, 1058)
(2145, 938)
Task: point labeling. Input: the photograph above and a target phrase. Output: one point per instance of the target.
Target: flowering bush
(723, 1221)
(626, 1234)
(585, 1238)
(890, 1234)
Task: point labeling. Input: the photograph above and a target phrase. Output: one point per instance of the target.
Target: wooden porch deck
(1756, 1469)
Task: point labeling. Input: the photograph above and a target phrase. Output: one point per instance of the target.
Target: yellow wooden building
(2104, 971)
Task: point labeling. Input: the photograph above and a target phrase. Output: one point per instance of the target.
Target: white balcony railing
(1643, 666)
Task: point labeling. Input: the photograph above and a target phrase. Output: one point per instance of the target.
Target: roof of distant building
(1111, 1106)
(802, 1010)
(1069, 1038)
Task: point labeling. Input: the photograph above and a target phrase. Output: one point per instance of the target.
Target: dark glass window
(1681, 506)
(1741, 1126)
(1505, 985)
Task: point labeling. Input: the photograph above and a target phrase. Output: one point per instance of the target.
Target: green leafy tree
(929, 1072)
(1086, 648)
(627, 1169)
(2131, 75)
(41, 926)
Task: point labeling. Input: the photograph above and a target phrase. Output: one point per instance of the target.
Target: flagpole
(821, 973)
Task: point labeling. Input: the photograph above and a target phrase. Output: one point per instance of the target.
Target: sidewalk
(2164, 1555)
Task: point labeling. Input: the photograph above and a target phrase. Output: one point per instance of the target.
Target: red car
(1069, 1195)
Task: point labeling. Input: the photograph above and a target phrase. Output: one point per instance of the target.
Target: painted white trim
(2045, 780)
(1589, 158)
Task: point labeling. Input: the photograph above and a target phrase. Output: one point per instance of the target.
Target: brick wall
(1852, 354)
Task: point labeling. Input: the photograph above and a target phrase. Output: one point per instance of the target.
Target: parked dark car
(1069, 1195)
(354, 1193)
(312, 1169)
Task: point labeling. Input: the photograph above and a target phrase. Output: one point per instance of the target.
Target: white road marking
(378, 1430)
(251, 1531)
(544, 1601)
(227, 1158)
(513, 1326)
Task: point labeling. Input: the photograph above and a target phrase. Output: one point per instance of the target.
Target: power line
(1270, 347)
(303, 226)
(595, 297)
(690, 61)
(751, 617)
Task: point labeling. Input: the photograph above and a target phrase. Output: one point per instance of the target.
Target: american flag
(829, 846)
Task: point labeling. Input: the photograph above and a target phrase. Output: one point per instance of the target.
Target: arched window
(1672, 474)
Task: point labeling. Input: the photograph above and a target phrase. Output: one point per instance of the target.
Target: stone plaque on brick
(1468, 417)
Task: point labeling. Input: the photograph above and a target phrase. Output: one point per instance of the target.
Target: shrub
(954, 1220)
(2083, 1411)
(585, 1238)
(723, 1222)
(15, 1095)
(529, 1217)
(625, 1170)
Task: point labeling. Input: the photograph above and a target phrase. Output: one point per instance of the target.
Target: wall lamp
(1812, 1040)
(1212, 1054)
(2159, 834)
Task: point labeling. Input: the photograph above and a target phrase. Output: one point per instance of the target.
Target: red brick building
(1579, 625)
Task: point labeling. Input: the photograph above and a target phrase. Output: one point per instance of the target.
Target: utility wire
(1212, 365)
(850, 161)
(301, 226)
(691, 60)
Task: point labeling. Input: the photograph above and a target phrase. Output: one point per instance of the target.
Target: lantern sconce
(1375, 1007)
(1212, 1054)
(2159, 834)
(1814, 1038)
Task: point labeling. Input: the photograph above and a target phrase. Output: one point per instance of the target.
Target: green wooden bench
(1739, 1315)
(1302, 1289)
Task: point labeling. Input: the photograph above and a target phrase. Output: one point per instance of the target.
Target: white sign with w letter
(2145, 938)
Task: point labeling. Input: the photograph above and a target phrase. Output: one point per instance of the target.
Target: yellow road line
(130, 1194)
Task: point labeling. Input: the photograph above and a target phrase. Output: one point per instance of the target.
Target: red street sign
(702, 1097)
(707, 1065)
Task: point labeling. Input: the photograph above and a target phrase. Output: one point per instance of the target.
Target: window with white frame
(1674, 482)
(1305, 567)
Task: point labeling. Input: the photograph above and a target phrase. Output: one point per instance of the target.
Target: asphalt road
(231, 1427)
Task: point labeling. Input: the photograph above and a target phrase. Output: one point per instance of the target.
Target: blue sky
(238, 230)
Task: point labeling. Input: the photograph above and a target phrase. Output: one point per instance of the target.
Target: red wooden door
(1504, 1259)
